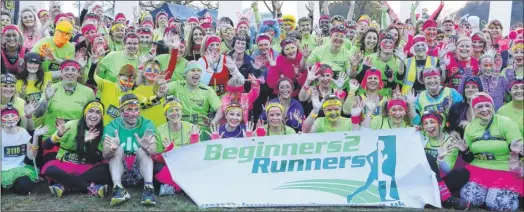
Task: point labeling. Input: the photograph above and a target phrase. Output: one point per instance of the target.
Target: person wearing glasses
(333, 53)
(56, 49)
(109, 66)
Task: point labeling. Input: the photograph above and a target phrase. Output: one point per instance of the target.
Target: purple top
(237, 133)
(290, 121)
(496, 87)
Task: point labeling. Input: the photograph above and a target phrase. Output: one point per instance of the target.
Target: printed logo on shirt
(129, 145)
(440, 107)
(193, 118)
(15, 151)
(484, 156)
(432, 152)
(33, 97)
(113, 111)
(198, 102)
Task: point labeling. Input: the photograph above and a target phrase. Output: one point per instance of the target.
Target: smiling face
(44, 19)
(288, 26)
(430, 33)
(496, 31)
(478, 45)
(484, 111)
(193, 76)
(372, 83)
(362, 27)
(387, 45)
(70, 74)
(209, 31)
(174, 114)
(397, 114)
(118, 34)
(93, 116)
(121, 20)
(325, 79)
(227, 32)
(198, 36)
(131, 46)
(32, 67)
(432, 83)
(240, 46)
(89, 34)
(332, 112)
(431, 127)
(10, 120)
(464, 49)
(243, 29)
(370, 41)
(518, 56)
(394, 33)
(488, 66)
(162, 21)
(8, 90)
(55, 9)
(290, 50)
(324, 24)
(285, 89)
(420, 49)
(151, 71)
(11, 38)
(337, 39)
(28, 19)
(5, 20)
(274, 117)
(126, 81)
(130, 114)
(234, 117)
(350, 34)
(517, 92)
(145, 40)
(448, 27)
(305, 27)
(264, 46)
(470, 90)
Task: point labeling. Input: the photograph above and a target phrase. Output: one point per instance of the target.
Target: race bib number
(432, 152)
(113, 111)
(484, 156)
(54, 66)
(15, 151)
(72, 157)
(219, 88)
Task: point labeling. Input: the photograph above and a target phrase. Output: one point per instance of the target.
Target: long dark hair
(80, 135)
(363, 38)
(39, 75)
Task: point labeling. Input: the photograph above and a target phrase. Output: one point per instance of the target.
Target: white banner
(365, 168)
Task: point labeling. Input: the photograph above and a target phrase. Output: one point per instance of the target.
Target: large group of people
(92, 104)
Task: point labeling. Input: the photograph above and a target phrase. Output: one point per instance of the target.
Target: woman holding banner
(174, 134)
(491, 141)
(275, 122)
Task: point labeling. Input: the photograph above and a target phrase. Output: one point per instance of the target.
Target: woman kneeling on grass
(79, 164)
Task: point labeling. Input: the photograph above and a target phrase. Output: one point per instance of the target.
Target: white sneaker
(166, 189)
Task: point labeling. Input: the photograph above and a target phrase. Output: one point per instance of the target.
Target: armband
(55, 138)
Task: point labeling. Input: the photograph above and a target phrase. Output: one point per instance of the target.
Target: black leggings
(455, 179)
(23, 185)
(98, 174)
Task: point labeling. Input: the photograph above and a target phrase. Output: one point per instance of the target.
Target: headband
(515, 82)
(235, 89)
(274, 104)
(128, 103)
(206, 25)
(395, 102)
(432, 115)
(171, 104)
(88, 27)
(96, 105)
(42, 12)
(192, 20)
(363, 20)
(262, 37)
(287, 41)
(67, 63)
(430, 72)
(429, 23)
(324, 17)
(518, 44)
(325, 71)
(8, 79)
(173, 29)
(242, 22)
(212, 39)
(147, 22)
(331, 102)
(120, 15)
(233, 106)
(57, 17)
(96, 7)
(475, 37)
(472, 82)
(10, 110)
(11, 27)
(145, 32)
(118, 25)
(482, 97)
(372, 72)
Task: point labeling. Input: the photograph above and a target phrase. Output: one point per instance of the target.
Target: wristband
(170, 147)
(355, 119)
(34, 147)
(313, 115)
(215, 136)
(249, 133)
(261, 132)
(55, 138)
(194, 138)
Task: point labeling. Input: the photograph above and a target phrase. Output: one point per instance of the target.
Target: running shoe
(97, 190)
(456, 204)
(166, 189)
(57, 190)
(148, 196)
(120, 195)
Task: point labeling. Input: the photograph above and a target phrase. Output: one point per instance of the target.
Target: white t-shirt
(14, 148)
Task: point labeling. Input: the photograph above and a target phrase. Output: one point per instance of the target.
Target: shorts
(131, 174)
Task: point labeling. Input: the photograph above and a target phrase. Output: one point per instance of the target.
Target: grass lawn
(42, 199)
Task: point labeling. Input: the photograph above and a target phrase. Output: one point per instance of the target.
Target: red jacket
(284, 66)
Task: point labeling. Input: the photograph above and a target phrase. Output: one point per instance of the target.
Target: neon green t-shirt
(115, 46)
(516, 116)
(310, 40)
(68, 107)
(181, 62)
(346, 44)
(491, 152)
(322, 125)
(111, 64)
(383, 123)
(392, 63)
(432, 145)
(65, 52)
(68, 144)
(127, 136)
(34, 93)
(181, 138)
(338, 62)
(287, 131)
(196, 103)
(155, 113)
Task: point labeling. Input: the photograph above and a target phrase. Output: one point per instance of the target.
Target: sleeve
(435, 14)
(510, 129)
(83, 15)
(314, 56)
(467, 136)
(273, 75)
(103, 66)
(254, 93)
(455, 95)
(172, 64)
(171, 89)
(213, 99)
(206, 77)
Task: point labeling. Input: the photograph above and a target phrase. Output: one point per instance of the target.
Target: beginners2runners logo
(380, 185)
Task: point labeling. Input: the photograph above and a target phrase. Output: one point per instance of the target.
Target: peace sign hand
(252, 79)
(261, 131)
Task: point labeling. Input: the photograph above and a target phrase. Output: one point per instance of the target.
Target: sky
(450, 6)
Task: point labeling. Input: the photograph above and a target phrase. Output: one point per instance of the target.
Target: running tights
(99, 174)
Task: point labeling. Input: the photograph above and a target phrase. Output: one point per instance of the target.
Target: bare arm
(351, 9)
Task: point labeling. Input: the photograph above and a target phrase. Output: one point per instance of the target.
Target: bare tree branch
(270, 9)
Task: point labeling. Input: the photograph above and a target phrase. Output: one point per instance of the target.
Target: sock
(148, 185)
(444, 192)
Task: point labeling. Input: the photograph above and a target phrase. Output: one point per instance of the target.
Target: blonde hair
(236, 81)
(24, 29)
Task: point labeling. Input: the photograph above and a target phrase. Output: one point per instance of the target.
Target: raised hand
(252, 79)
(296, 115)
(315, 100)
(517, 146)
(214, 134)
(353, 86)
(49, 90)
(41, 130)
(296, 69)
(162, 91)
(48, 54)
(320, 38)
(258, 63)
(356, 58)
(230, 64)
(356, 110)
(442, 152)
(166, 142)
(60, 126)
(254, 5)
(312, 73)
(306, 51)
(367, 61)
(248, 132)
(396, 93)
(113, 142)
(277, 5)
(310, 6)
(23, 91)
(342, 77)
(271, 59)
(261, 131)
(92, 134)
(146, 140)
(195, 134)
(30, 107)
(459, 143)
(371, 105)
